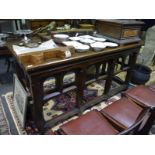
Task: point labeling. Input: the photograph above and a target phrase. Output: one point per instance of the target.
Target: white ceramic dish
(74, 38)
(71, 43)
(99, 39)
(93, 38)
(82, 48)
(87, 41)
(78, 46)
(59, 38)
(110, 44)
(86, 37)
(98, 46)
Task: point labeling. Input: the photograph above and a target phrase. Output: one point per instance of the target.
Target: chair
(145, 97)
(96, 123)
(142, 95)
(136, 128)
(91, 123)
(153, 87)
(123, 112)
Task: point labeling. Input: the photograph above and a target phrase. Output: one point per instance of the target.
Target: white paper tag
(67, 54)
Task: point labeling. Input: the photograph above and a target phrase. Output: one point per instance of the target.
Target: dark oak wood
(121, 31)
(33, 76)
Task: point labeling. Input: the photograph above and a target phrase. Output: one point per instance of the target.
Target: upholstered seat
(91, 123)
(142, 95)
(152, 87)
(123, 111)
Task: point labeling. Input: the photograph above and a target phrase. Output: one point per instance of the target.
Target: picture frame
(20, 99)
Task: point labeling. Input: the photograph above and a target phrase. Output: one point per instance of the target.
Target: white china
(99, 39)
(110, 44)
(78, 46)
(87, 41)
(97, 46)
(82, 48)
(86, 37)
(74, 38)
(59, 38)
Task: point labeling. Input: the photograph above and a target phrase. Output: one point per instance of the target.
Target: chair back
(138, 125)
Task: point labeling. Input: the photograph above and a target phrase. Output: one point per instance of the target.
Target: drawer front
(130, 33)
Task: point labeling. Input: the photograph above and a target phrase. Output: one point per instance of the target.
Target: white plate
(61, 36)
(110, 44)
(74, 38)
(82, 48)
(71, 43)
(97, 46)
(78, 46)
(99, 39)
(87, 41)
(86, 37)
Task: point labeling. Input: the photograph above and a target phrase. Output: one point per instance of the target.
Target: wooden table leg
(132, 62)
(37, 95)
(59, 82)
(80, 80)
(111, 67)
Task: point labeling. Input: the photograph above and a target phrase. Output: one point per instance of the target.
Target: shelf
(87, 105)
(90, 81)
(123, 70)
(118, 80)
(55, 89)
(49, 96)
(54, 94)
(102, 77)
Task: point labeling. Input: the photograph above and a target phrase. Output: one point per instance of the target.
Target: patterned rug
(99, 107)
(30, 128)
(9, 101)
(4, 124)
